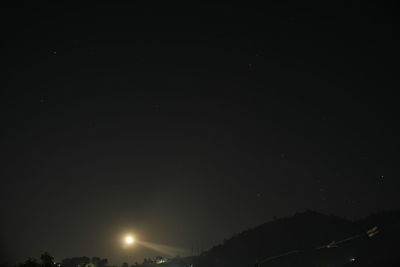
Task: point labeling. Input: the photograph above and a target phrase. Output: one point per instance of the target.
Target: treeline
(47, 260)
(84, 262)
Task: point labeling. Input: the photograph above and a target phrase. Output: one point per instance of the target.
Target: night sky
(186, 124)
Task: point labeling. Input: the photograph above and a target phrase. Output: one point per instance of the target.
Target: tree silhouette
(47, 259)
(30, 262)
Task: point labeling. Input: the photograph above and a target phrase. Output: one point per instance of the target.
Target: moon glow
(129, 240)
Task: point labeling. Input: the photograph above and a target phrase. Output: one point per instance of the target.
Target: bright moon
(129, 240)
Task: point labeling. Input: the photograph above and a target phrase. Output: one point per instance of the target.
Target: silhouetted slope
(304, 232)
(306, 239)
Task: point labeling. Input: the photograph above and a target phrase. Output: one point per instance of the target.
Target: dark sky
(187, 124)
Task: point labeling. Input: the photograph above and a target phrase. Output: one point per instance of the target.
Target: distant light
(352, 259)
(129, 240)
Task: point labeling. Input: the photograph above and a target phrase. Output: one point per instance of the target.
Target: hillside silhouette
(304, 239)
(308, 239)
(312, 239)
